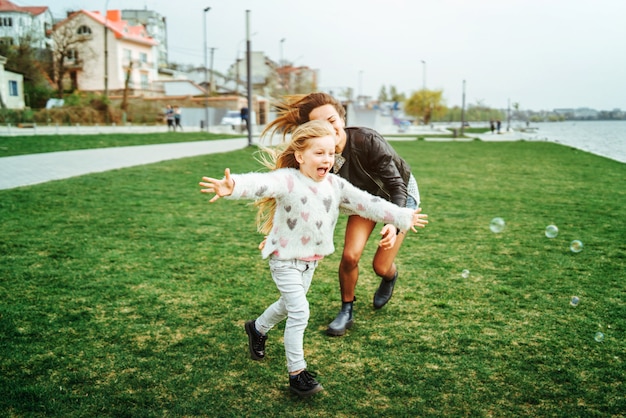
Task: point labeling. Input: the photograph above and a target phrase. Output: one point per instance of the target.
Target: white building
(18, 23)
(128, 52)
(155, 25)
(11, 88)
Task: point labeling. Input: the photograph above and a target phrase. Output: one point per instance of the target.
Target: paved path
(25, 170)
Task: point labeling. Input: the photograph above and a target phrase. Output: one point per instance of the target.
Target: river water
(604, 138)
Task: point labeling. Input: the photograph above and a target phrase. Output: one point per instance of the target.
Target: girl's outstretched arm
(223, 187)
(419, 219)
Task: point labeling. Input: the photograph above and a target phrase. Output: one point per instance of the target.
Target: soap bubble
(552, 231)
(465, 273)
(576, 246)
(599, 337)
(574, 301)
(497, 225)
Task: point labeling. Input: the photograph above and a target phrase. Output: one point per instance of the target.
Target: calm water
(604, 138)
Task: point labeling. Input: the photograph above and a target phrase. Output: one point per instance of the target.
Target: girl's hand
(223, 187)
(419, 219)
(389, 237)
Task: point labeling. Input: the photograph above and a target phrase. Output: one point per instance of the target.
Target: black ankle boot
(343, 321)
(384, 291)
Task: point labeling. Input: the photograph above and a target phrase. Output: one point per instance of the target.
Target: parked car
(233, 118)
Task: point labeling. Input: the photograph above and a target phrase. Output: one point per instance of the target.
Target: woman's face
(329, 113)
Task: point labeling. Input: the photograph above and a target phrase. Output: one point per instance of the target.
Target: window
(6, 21)
(143, 57)
(84, 30)
(145, 84)
(13, 88)
(72, 55)
(127, 56)
(6, 41)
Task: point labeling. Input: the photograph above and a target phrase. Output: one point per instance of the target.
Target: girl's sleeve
(373, 207)
(255, 186)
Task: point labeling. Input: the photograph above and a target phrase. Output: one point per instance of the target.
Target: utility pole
(211, 82)
(508, 116)
(206, 81)
(106, 55)
(249, 75)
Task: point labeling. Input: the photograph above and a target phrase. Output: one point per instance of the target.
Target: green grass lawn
(125, 294)
(21, 145)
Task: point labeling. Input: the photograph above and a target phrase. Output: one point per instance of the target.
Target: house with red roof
(109, 53)
(19, 23)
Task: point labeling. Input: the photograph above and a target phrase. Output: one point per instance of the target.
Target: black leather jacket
(374, 166)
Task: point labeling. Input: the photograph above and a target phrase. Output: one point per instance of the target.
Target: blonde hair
(284, 156)
(295, 110)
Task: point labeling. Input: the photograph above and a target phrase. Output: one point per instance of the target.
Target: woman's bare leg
(358, 231)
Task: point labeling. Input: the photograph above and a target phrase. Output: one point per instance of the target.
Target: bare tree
(68, 46)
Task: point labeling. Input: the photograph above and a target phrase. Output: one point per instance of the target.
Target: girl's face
(329, 113)
(318, 158)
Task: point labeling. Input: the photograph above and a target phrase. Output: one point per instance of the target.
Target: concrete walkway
(26, 170)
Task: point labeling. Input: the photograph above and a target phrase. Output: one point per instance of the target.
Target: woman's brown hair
(295, 110)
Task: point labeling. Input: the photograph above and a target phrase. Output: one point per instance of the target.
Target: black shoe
(256, 341)
(304, 384)
(384, 291)
(342, 322)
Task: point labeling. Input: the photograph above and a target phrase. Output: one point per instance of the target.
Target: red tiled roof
(119, 27)
(7, 6)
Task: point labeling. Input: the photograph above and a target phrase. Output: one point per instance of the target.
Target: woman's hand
(223, 187)
(389, 237)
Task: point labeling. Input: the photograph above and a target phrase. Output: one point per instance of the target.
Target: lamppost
(360, 98)
(423, 75)
(206, 75)
(281, 65)
(463, 111)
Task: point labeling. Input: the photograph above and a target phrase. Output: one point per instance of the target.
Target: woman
(365, 159)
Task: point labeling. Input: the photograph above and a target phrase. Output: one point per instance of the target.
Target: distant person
(492, 126)
(177, 117)
(498, 125)
(169, 117)
(245, 115)
(299, 202)
(369, 162)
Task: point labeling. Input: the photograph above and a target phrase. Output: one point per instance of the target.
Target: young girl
(367, 161)
(299, 202)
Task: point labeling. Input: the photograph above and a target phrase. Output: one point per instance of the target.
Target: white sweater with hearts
(307, 210)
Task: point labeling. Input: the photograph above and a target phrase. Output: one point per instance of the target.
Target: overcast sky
(542, 54)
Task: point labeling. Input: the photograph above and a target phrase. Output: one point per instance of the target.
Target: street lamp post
(206, 75)
(463, 111)
(281, 65)
(360, 98)
(423, 75)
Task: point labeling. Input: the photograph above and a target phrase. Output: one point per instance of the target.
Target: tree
(426, 105)
(395, 96)
(67, 44)
(382, 95)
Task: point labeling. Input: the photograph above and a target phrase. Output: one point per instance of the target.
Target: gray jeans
(293, 279)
